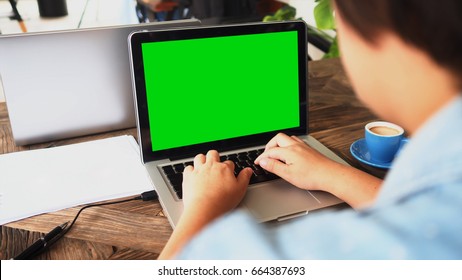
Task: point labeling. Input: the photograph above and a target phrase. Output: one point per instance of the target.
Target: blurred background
(18, 16)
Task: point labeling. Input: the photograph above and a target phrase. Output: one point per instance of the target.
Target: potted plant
(325, 20)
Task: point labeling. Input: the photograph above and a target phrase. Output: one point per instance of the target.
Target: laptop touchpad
(277, 200)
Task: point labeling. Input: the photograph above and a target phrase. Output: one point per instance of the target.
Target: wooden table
(139, 230)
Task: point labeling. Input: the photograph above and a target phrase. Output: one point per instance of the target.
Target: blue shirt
(417, 214)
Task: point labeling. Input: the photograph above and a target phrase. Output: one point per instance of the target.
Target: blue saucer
(360, 151)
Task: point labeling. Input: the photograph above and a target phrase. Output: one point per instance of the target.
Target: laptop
(228, 88)
(69, 83)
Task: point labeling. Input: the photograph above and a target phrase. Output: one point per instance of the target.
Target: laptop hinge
(183, 156)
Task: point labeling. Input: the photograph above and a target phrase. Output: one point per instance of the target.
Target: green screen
(208, 89)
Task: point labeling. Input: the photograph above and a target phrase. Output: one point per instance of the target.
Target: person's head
(394, 50)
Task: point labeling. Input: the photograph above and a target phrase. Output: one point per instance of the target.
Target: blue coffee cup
(383, 140)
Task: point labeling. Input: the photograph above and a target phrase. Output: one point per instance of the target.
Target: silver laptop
(229, 88)
(69, 83)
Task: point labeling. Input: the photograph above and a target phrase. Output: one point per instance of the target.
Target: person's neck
(427, 102)
(423, 90)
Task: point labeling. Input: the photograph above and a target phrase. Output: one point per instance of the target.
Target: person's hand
(211, 187)
(293, 160)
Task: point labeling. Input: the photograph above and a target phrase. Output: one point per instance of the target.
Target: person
(404, 61)
(222, 11)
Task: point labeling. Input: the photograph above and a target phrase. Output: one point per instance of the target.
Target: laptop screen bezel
(136, 40)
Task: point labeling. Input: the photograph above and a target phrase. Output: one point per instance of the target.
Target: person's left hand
(211, 187)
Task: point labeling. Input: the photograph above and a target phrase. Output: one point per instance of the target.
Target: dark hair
(432, 26)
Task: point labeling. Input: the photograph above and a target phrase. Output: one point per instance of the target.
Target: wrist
(353, 186)
(330, 177)
(199, 216)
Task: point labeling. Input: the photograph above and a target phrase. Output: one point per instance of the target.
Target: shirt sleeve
(328, 235)
(404, 230)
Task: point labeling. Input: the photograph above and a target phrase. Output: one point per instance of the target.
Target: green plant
(325, 20)
(287, 12)
(324, 17)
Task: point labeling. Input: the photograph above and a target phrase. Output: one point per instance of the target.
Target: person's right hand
(293, 160)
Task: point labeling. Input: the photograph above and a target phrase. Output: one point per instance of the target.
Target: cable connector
(149, 195)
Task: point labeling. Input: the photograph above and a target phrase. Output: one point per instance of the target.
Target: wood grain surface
(139, 230)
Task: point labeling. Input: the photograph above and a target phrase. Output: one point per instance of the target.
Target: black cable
(145, 196)
(94, 205)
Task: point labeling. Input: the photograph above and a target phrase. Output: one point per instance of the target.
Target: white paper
(46, 180)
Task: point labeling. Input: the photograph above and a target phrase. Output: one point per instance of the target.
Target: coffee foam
(384, 130)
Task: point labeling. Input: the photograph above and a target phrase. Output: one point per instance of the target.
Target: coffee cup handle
(403, 142)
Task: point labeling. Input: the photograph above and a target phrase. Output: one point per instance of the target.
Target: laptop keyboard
(174, 172)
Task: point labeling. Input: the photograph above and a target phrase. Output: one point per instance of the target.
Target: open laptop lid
(223, 87)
